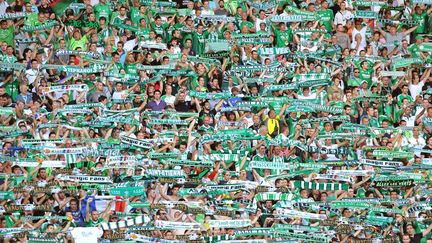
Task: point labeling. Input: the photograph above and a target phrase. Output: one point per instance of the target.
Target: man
(207, 111)
(221, 9)
(100, 90)
(393, 37)
(326, 16)
(120, 17)
(157, 104)
(7, 33)
(206, 8)
(284, 35)
(355, 80)
(404, 95)
(416, 237)
(342, 15)
(25, 96)
(419, 17)
(76, 212)
(93, 219)
(342, 37)
(102, 10)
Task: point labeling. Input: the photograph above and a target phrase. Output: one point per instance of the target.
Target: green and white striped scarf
(321, 186)
(126, 223)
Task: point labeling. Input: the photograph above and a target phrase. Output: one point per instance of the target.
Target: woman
(201, 85)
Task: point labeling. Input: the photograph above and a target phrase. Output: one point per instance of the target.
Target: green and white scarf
(136, 142)
(47, 25)
(363, 14)
(274, 196)
(240, 223)
(17, 15)
(392, 154)
(64, 88)
(125, 223)
(381, 163)
(294, 213)
(165, 173)
(321, 186)
(85, 179)
(273, 51)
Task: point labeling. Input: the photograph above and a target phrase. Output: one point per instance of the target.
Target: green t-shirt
(96, 223)
(135, 16)
(247, 23)
(73, 44)
(361, 192)
(102, 10)
(326, 17)
(131, 69)
(12, 88)
(198, 42)
(283, 38)
(9, 59)
(7, 35)
(401, 97)
(414, 50)
(31, 19)
(421, 22)
(160, 30)
(366, 75)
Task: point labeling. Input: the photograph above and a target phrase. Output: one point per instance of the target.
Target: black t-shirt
(183, 106)
(417, 238)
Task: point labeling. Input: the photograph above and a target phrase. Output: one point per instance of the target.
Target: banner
(85, 179)
(292, 18)
(125, 223)
(47, 25)
(241, 223)
(17, 15)
(321, 186)
(128, 189)
(136, 142)
(363, 14)
(43, 164)
(177, 225)
(165, 173)
(381, 163)
(392, 154)
(64, 88)
(294, 213)
(394, 184)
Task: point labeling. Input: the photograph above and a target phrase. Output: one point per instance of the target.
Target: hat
(364, 81)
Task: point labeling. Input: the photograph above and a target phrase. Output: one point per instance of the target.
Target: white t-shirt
(86, 234)
(342, 17)
(120, 95)
(258, 21)
(416, 89)
(31, 75)
(3, 6)
(310, 97)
